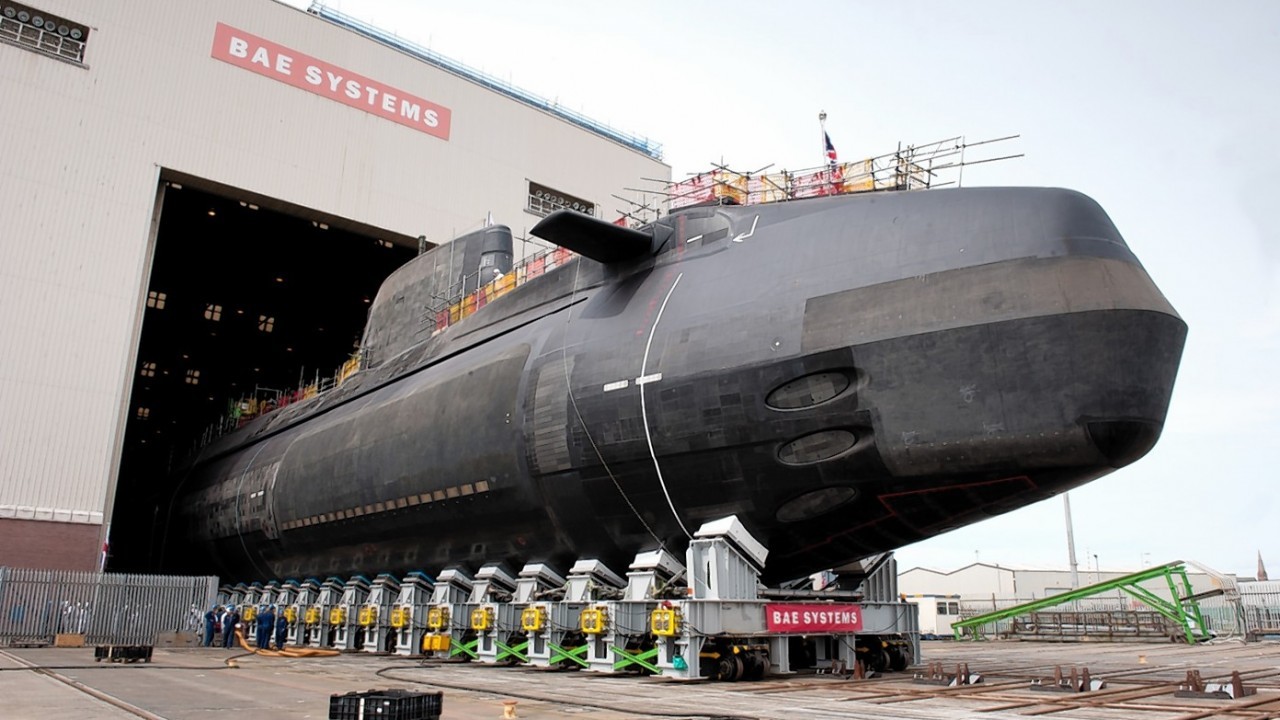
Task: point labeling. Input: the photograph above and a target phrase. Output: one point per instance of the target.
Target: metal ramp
(1183, 610)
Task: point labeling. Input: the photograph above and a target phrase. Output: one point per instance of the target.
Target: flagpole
(822, 132)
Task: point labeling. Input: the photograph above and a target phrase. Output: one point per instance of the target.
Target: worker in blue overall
(282, 629)
(229, 623)
(266, 623)
(210, 625)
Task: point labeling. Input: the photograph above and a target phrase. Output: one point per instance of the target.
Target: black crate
(122, 653)
(386, 705)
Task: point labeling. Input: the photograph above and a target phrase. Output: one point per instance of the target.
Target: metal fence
(107, 608)
(1255, 615)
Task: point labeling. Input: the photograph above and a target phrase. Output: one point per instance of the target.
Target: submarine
(847, 375)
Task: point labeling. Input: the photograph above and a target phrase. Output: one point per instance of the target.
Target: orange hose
(287, 652)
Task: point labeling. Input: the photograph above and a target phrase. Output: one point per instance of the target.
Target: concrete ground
(196, 684)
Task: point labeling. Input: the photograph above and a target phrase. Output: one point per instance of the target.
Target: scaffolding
(910, 167)
(1182, 610)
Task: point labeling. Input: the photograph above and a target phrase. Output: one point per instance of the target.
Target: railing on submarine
(451, 310)
(910, 167)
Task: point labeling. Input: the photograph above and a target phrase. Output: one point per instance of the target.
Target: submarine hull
(846, 375)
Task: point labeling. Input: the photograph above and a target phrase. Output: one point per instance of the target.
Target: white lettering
(388, 102)
(239, 48)
(334, 80)
(313, 75)
(409, 110)
(431, 118)
(283, 64)
(373, 92)
(261, 57)
(777, 618)
(353, 89)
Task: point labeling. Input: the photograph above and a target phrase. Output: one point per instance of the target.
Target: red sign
(813, 617)
(277, 62)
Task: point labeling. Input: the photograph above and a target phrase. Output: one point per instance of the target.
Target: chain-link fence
(107, 608)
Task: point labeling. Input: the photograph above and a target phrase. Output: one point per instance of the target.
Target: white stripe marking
(619, 385)
(744, 236)
(646, 379)
(695, 237)
(644, 414)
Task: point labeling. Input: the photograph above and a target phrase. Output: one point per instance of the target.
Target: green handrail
(1182, 610)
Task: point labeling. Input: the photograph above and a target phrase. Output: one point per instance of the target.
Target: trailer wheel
(899, 658)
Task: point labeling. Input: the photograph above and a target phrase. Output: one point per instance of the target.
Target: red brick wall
(49, 545)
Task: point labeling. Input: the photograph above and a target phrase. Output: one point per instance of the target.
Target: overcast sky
(1166, 113)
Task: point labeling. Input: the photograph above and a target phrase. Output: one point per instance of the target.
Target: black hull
(837, 416)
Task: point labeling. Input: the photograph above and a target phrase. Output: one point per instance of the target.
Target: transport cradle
(706, 617)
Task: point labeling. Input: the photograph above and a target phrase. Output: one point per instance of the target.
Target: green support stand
(516, 652)
(639, 658)
(1183, 610)
(571, 654)
(469, 649)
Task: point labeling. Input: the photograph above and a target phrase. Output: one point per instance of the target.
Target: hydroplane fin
(591, 237)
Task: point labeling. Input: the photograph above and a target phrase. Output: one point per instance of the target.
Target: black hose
(539, 698)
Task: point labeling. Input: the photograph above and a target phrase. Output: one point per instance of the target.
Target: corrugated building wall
(983, 581)
(85, 147)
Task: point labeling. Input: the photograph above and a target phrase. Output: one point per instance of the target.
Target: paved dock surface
(195, 684)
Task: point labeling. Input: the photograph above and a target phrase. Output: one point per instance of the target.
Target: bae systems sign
(802, 618)
(277, 62)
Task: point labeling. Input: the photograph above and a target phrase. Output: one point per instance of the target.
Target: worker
(230, 622)
(266, 623)
(282, 629)
(210, 625)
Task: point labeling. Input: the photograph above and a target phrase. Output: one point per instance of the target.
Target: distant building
(1005, 585)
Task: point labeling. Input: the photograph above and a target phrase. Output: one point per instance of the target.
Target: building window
(41, 32)
(954, 608)
(213, 312)
(155, 300)
(543, 201)
(193, 377)
(144, 413)
(942, 608)
(266, 323)
(148, 369)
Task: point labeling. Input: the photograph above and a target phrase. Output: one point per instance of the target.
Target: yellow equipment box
(533, 618)
(438, 618)
(665, 622)
(594, 620)
(482, 619)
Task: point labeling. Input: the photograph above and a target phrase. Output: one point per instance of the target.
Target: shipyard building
(199, 202)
